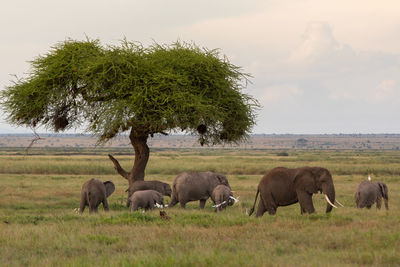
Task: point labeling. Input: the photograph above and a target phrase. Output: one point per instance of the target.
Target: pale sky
(318, 66)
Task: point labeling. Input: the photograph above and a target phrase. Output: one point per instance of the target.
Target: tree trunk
(142, 153)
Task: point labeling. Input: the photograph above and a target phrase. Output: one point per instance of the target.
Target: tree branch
(118, 167)
(37, 138)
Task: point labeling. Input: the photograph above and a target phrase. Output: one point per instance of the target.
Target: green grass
(38, 225)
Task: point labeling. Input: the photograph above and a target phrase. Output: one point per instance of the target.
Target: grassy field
(38, 194)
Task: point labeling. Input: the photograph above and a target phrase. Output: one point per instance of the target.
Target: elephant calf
(222, 196)
(367, 193)
(95, 192)
(161, 187)
(146, 200)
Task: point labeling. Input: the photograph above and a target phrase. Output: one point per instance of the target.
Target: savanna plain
(39, 227)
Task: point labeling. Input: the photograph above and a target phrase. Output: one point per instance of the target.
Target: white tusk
(330, 203)
(158, 206)
(236, 199)
(216, 206)
(339, 203)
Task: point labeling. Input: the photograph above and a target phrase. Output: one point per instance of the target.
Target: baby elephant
(161, 187)
(222, 196)
(146, 200)
(368, 193)
(95, 192)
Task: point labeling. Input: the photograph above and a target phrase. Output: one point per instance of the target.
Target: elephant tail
(255, 200)
(384, 190)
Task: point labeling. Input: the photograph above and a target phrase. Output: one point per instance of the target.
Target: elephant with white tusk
(222, 196)
(146, 199)
(161, 187)
(283, 186)
(368, 193)
(192, 186)
(95, 192)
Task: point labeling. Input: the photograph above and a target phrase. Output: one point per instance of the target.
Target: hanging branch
(37, 138)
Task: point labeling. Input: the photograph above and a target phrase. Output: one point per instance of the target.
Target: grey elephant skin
(95, 192)
(221, 196)
(161, 187)
(146, 200)
(193, 186)
(283, 186)
(368, 193)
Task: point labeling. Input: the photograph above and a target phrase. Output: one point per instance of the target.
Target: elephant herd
(279, 187)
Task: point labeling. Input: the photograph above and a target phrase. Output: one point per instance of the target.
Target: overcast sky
(318, 66)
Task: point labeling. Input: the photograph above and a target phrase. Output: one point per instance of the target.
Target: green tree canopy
(151, 90)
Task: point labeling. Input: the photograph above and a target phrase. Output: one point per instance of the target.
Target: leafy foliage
(151, 90)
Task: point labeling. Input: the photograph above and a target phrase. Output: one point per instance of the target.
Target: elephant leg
(152, 204)
(183, 204)
(202, 203)
(93, 209)
(173, 202)
(269, 203)
(357, 199)
(105, 205)
(302, 210)
(83, 204)
(271, 210)
(261, 209)
(378, 203)
(81, 209)
(305, 200)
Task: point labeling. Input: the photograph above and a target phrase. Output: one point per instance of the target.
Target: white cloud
(278, 93)
(385, 90)
(319, 49)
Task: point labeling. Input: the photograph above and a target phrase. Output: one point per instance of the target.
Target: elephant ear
(305, 180)
(384, 190)
(110, 188)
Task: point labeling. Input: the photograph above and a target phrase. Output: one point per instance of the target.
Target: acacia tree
(109, 90)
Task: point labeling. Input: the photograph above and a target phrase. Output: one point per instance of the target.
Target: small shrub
(282, 154)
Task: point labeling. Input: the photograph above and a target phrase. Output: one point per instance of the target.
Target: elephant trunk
(329, 192)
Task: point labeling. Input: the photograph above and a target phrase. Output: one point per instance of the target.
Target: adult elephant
(192, 186)
(367, 193)
(283, 186)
